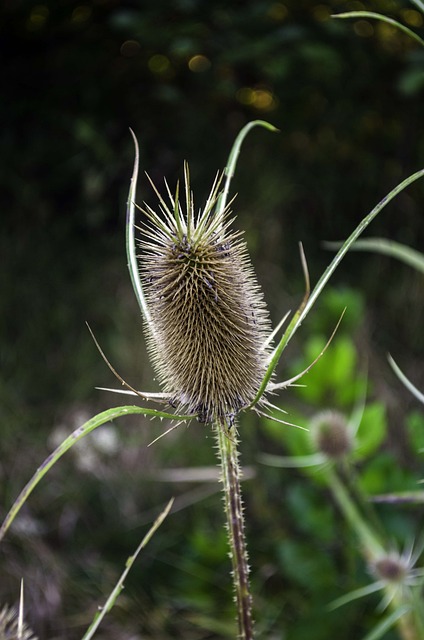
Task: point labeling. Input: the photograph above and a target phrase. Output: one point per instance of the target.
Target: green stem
(230, 475)
(365, 533)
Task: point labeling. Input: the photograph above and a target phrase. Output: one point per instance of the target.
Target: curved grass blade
(78, 434)
(232, 160)
(130, 238)
(419, 4)
(362, 592)
(128, 565)
(382, 18)
(292, 462)
(411, 257)
(406, 382)
(388, 622)
(303, 312)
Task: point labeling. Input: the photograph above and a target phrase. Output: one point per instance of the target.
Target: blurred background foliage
(186, 76)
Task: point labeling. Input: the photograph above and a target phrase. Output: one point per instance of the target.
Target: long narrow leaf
(130, 238)
(78, 434)
(298, 319)
(419, 4)
(232, 160)
(128, 565)
(402, 252)
(408, 384)
(382, 18)
(388, 622)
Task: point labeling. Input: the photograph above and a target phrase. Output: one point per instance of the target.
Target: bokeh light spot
(199, 63)
(363, 28)
(246, 95)
(261, 99)
(81, 14)
(38, 17)
(277, 11)
(159, 63)
(130, 48)
(412, 17)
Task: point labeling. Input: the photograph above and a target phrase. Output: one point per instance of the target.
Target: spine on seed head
(208, 318)
(11, 628)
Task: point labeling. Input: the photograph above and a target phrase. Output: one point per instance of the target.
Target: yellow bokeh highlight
(261, 99)
(199, 63)
(38, 17)
(159, 63)
(81, 14)
(412, 17)
(277, 11)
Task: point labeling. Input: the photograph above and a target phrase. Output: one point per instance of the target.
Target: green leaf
(333, 378)
(415, 426)
(372, 430)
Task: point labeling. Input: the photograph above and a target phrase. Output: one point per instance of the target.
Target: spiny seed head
(390, 568)
(331, 434)
(208, 318)
(397, 569)
(10, 629)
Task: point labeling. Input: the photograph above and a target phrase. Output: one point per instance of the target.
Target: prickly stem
(230, 476)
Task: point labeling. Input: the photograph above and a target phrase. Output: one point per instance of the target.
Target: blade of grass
(128, 565)
(232, 160)
(78, 434)
(130, 238)
(303, 312)
(419, 4)
(411, 257)
(382, 18)
(388, 622)
(402, 377)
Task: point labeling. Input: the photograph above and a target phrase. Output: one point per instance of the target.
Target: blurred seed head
(331, 434)
(390, 568)
(10, 628)
(208, 318)
(399, 570)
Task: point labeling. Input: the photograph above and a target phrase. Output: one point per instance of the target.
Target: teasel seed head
(331, 434)
(11, 629)
(391, 567)
(208, 320)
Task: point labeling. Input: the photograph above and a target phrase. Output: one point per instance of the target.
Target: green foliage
(349, 108)
(372, 431)
(415, 427)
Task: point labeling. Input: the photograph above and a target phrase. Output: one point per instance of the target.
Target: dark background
(186, 75)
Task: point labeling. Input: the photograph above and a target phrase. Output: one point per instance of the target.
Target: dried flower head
(396, 572)
(332, 434)
(208, 322)
(11, 629)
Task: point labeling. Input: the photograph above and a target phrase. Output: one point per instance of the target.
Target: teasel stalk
(208, 331)
(207, 334)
